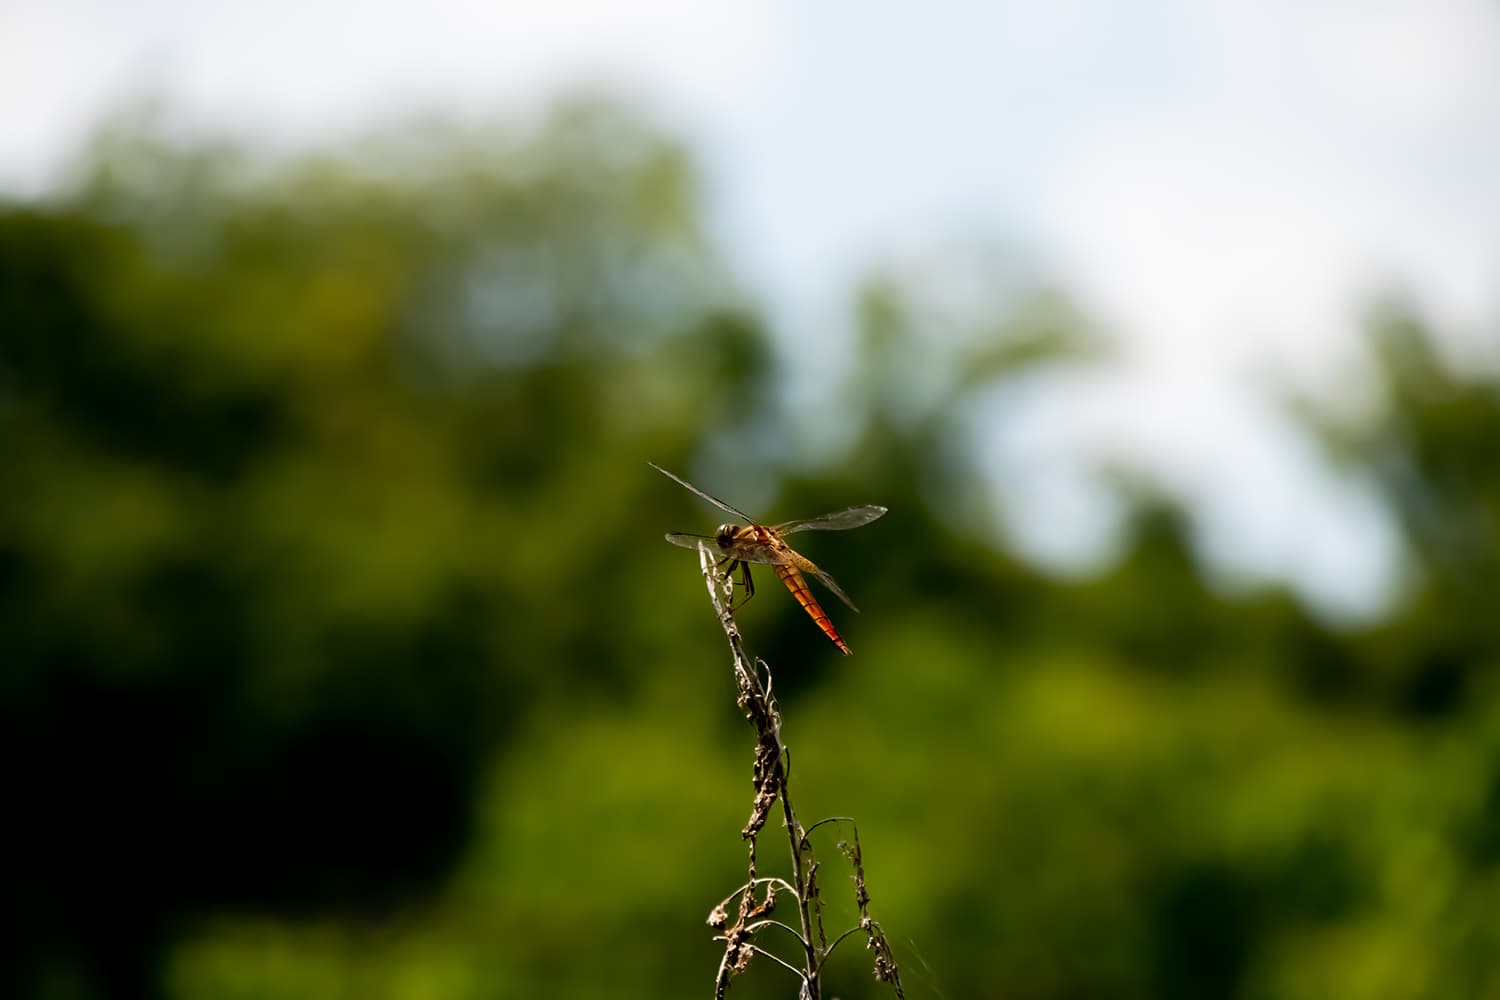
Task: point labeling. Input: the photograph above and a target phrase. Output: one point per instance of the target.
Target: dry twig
(771, 773)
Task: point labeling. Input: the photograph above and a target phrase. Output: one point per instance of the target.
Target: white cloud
(1418, 63)
(286, 67)
(56, 68)
(1314, 156)
(1211, 252)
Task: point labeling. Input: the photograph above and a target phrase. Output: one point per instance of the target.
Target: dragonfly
(743, 544)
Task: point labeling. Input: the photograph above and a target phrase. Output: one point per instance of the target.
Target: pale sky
(1222, 185)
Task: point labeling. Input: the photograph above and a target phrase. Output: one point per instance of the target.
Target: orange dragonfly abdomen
(795, 582)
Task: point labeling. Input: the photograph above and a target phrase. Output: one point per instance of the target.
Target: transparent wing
(704, 496)
(784, 556)
(827, 581)
(690, 541)
(839, 520)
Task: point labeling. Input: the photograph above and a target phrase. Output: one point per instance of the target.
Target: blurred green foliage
(342, 656)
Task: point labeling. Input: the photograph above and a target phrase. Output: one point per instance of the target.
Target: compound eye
(725, 536)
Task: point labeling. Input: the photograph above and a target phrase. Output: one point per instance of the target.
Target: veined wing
(839, 520)
(827, 581)
(782, 555)
(689, 541)
(704, 496)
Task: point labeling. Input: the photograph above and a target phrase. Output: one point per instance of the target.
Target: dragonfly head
(726, 535)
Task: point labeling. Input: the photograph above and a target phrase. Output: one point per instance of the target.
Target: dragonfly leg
(729, 565)
(748, 583)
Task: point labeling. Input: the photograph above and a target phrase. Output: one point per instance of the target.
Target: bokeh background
(340, 652)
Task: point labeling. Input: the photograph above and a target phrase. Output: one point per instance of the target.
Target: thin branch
(838, 940)
(885, 963)
(832, 819)
(762, 880)
(769, 922)
(804, 901)
(775, 958)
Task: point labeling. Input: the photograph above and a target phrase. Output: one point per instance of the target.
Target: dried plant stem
(772, 773)
(801, 871)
